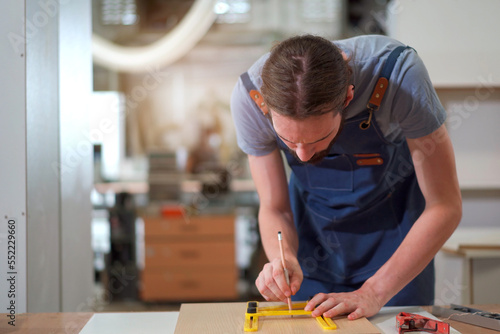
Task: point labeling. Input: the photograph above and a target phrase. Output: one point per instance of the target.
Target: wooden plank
(228, 318)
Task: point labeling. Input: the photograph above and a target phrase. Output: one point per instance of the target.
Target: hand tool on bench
(469, 315)
(410, 322)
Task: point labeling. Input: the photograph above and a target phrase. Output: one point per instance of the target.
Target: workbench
(146, 322)
(468, 267)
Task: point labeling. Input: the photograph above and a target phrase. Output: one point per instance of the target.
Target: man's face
(309, 140)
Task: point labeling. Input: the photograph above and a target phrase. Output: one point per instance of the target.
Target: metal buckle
(366, 124)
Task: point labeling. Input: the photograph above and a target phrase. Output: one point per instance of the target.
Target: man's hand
(272, 282)
(360, 303)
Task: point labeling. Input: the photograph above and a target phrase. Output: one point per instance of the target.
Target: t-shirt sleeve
(418, 109)
(254, 132)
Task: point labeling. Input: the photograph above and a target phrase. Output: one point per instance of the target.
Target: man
(373, 192)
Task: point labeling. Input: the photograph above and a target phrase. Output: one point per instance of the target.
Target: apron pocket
(349, 250)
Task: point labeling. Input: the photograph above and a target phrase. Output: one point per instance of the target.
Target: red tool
(409, 322)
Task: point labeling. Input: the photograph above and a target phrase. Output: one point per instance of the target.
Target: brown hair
(305, 76)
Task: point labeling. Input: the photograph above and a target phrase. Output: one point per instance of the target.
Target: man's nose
(304, 153)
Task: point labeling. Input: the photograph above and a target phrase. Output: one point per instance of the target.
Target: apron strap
(383, 80)
(381, 85)
(254, 93)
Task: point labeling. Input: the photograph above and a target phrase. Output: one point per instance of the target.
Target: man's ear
(350, 95)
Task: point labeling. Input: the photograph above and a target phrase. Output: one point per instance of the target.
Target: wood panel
(229, 318)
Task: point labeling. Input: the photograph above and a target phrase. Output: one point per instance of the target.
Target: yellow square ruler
(253, 312)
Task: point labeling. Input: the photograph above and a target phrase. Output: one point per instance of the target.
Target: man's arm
(434, 163)
(275, 215)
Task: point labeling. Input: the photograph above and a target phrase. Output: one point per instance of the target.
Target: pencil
(284, 268)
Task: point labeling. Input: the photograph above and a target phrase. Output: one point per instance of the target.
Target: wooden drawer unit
(189, 259)
(195, 226)
(192, 284)
(188, 254)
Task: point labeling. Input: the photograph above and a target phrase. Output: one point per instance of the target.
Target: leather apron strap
(254, 93)
(382, 84)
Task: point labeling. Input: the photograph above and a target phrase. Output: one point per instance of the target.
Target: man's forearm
(275, 213)
(424, 240)
(436, 174)
(272, 221)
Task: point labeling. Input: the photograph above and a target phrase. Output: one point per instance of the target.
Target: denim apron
(353, 209)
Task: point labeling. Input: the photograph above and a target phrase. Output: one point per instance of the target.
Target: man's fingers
(295, 282)
(340, 308)
(332, 308)
(263, 285)
(269, 281)
(268, 295)
(327, 304)
(358, 313)
(272, 282)
(355, 304)
(316, 300)
(264, 290)
(280, 279)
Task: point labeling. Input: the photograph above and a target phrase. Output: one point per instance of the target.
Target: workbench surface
(144, 322)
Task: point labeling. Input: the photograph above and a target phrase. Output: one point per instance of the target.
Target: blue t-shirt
(410, 107)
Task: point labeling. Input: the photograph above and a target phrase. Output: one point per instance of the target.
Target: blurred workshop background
(138, 197)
